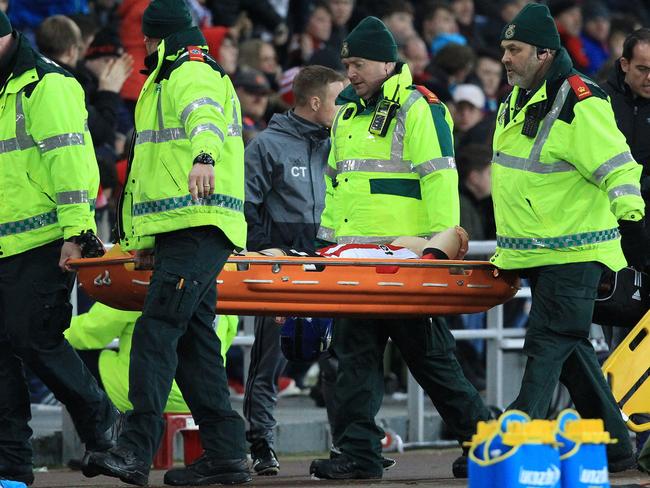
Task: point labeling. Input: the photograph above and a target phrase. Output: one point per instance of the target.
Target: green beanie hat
(164, 17)
(370, 39)
(5, 25)
(533, 25)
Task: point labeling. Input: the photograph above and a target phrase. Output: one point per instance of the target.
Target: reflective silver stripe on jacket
(71, 197)
(331, 172)
(433, 165)
(532, 163)
(325, 233)
(200, 102)
(372, 165)
(396, 163)
(571, 240)
(207, 127)
(22, 139)
(610, 165)
(234, 129)
(62, 140)
(623, 190)
(365, 239)
(162, 135)
(527, 164)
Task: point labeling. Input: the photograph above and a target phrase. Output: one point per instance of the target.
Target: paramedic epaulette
(579, 87)
(429, 96)
(195, 53)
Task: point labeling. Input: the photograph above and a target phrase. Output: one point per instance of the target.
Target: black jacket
(285, 183)
(632, 117)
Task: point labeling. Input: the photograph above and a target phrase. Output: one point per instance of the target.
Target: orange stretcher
(628, 372)
(319, 286)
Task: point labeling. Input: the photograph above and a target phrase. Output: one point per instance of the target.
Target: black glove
(634, 242)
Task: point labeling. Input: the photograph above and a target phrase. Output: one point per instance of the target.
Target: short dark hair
(56, 35)
(472, 157)
(454, 57)
(312, 81)
(395, 6)
(639, 35)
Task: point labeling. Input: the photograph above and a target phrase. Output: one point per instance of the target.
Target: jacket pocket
(401, 187)
(171, 174)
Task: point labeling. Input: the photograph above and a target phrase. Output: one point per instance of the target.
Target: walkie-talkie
(534, 115)
(384, 113)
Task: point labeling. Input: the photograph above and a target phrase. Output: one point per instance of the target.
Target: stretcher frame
(627, 370)
(330, 287)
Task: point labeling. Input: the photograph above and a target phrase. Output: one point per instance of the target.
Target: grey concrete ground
(429, 468)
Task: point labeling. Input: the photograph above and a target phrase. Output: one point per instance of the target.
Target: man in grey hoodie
(285, 196)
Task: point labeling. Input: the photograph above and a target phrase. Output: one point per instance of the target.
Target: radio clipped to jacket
(384, 113)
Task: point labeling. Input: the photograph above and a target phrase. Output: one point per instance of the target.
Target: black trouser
(174, 338)
(34, 312)
(428, 349)
(558, 349)
(267, 363)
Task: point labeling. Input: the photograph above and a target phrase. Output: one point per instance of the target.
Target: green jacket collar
(23, 60)
(171, 48)
(394, 85)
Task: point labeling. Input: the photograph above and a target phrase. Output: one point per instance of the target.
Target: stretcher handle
(296, 261)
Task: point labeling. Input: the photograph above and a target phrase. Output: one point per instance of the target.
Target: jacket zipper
(118, 218)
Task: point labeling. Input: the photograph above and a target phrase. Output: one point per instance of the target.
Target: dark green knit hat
(370, 39)
(164, 17)
(533, 25)
(5, 25)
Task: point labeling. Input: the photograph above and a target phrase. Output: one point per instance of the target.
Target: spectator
(470, 123)
(489, 71)
(223, 47)
(474, 174)
(398, 17)
(455, 61)
(253, 91)
(285, 195)
(102, 74)
(29, 14)
(507, 11)
(261, 55)
(464, 13)
(59, 39)
(568, 18)
(436, 19)
(130, 12)
(88, 27)
(595, 35)
(315, 36)
(620, 27)
(629, 89)
(417, 57)
(341, 14)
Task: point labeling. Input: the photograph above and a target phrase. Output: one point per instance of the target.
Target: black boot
(209, 471)
(118, 462)
(265, 462)
(101, 443)
(459, 466)
(342, 468)
(618, 465)
(386, 462)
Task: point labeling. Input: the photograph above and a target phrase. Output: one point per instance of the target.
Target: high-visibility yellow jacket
(404, 183)
(559, 192)
(48, 171)
(101, 324)
(187, 106)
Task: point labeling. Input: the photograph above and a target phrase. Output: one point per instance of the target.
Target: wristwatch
(204, 158)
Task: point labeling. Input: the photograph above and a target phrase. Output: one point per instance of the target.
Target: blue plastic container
(12, 484)
(583, 451)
